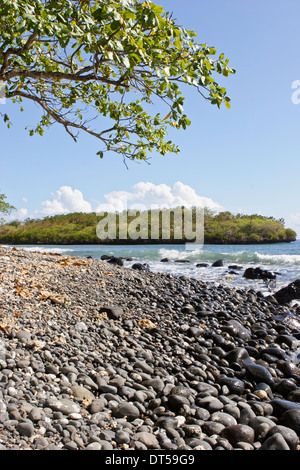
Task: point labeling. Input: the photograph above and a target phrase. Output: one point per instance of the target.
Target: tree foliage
(101, 66)
(80, 228)
(5, 207)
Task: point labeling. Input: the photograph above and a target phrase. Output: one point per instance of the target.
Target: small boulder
(112, 311)
(258, 273)
(218, 263)
(288, 293)
(141, 267)
(116, 261)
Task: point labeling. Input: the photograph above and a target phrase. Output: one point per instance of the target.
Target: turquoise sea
(282, 258)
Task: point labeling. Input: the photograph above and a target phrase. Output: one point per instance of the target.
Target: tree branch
(41, 75)
(18, 52)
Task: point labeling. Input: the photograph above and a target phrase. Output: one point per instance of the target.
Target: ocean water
(282, 258)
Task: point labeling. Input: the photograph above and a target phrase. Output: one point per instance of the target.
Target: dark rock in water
(258, 273)
(288, 293)
(234, 266)
(141, 267)
(218, 263)
(115, 260)
(105, 257)
(164, 260)
(113, 312)
(201, 265)
(182, 261)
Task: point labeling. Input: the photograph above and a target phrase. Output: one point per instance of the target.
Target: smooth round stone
(25, 429)
(261, 394)
(285, 386)
(122, 437)
(126, 409)
(156, 383)
(275, 442)
(176, 402)
(261, 425)
(289, 435)
(238, 433)
(223, 418)
(291, 419)
(64, 405)
(148, 439)
(180, 390)
(40, 443)
(106, 445)
(234, 385)
(23, 335)
(284, 405)
(167, 422)
(93, 446)
(71, 445)
(259, 373)
(212, 404)
(96, 406)
(23, 363)
(206, 390)
(212, 427)
(244, 446)
(237, 355)
(36, 414)
(203, 445)
(112, 311)
(192, 430)
(140, 396)
(75, 416)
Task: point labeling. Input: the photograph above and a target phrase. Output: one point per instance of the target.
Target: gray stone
(148, 439)
(126, 409)
(97, 405)
(122, 437)
(112, 311)
(83, 393)
(25, 429)
(64, 405)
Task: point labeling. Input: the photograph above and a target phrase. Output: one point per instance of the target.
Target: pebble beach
(96, 356)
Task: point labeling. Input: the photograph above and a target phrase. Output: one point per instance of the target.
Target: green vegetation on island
(135, 227)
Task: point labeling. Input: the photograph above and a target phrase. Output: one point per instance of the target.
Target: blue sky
(245, 159)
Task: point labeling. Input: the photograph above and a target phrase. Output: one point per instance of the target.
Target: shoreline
(132, 360)
(150, 242)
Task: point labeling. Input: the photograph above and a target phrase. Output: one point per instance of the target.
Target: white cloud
(64, 201)
(19, 214)
(293, 221)
(148, 195)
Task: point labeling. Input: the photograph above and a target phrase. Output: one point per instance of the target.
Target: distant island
(81, 228)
